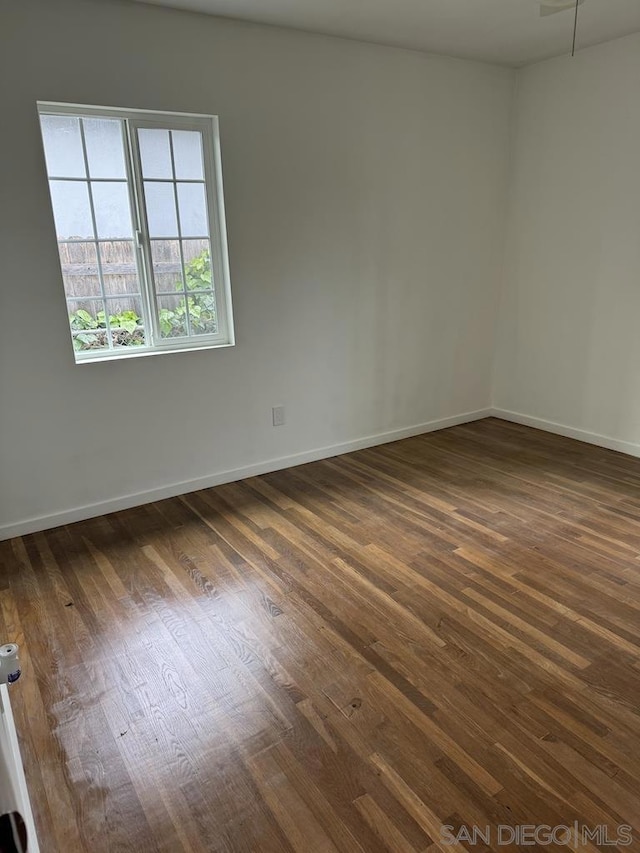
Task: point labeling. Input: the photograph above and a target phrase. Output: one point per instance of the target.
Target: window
(139, 216)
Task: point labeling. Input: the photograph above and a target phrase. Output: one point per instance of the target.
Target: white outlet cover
(278, 415)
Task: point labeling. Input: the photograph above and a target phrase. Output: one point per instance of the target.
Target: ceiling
(509, 32)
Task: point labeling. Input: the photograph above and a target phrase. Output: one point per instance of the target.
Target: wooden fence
(80, 267)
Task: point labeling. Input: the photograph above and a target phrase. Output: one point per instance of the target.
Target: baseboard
(45, 522)
(628, 447)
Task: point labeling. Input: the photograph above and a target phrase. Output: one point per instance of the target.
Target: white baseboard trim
(45, 522)
(628, 447)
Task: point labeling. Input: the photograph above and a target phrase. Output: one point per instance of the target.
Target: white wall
(365, 191)
(569, 342)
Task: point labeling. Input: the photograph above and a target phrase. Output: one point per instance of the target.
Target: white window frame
(208, 126)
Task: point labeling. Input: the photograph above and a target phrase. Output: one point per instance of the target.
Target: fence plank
(117, 269)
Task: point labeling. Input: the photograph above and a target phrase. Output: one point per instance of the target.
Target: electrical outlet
(278, 415)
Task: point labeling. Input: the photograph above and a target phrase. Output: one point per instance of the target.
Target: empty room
(319, 426)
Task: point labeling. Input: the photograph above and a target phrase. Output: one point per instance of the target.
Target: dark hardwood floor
(342, 656)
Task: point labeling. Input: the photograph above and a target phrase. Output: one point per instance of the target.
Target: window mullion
(95, 236)
(182, 267)
(142, 245)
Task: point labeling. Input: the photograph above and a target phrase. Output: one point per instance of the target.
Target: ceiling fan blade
(551, 7)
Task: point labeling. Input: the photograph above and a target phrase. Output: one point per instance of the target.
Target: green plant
(127, 327)
(197, 273)
(201, 306)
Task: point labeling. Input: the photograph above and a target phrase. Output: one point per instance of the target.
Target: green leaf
(84, 341)
(82, 320)
(166, 317)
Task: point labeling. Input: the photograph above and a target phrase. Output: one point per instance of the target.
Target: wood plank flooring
(343, 656)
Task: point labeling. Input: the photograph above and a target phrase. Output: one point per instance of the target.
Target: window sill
(140, 352)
